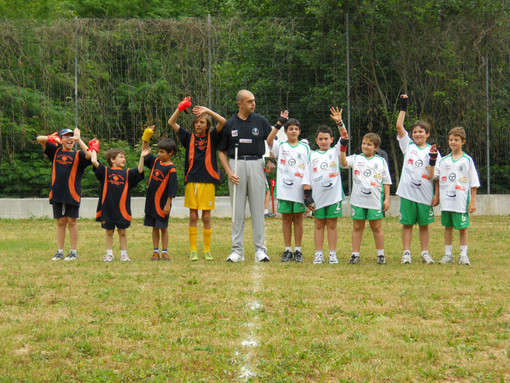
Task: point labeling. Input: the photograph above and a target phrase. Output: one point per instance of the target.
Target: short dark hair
(324, 129)
(374, 137)
(168, 145)
(112, 153)
(458, 131)
(292, 121)
(422, 124)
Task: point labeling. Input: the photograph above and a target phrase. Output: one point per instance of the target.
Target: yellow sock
(192, 231)
(207, 239)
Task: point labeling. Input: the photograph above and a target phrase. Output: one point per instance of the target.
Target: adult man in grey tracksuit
(249, 130)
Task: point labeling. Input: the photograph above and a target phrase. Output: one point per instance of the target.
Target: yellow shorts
(199, 196)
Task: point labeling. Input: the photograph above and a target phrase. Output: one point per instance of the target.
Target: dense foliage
(132, 72)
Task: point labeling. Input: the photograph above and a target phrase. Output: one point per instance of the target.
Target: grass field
(214, 321)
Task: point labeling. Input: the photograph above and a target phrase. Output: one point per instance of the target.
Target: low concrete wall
(18, 208)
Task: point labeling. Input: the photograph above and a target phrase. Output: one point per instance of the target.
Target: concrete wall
(17, 208)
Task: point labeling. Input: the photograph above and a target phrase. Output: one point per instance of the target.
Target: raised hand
(184, 104)
(403, 102)
(148, 132)
(336, 114)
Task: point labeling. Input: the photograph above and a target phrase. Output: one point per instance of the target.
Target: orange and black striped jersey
(67, 170)
(114, 205)
(162, 184)
(200, 164)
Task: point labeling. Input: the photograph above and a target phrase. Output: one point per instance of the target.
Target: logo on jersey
(333, 164)
(357, 172)
(366, 191)
(443, 179)
(452, 177)
(201, 144)
(64, 159)
(410, 161)
(255, 131)
(367, 173)
(323, 166)
(116, 179)
(419, 164)
(292, 162)
(158, 175)
(463, 180)
(235, 133)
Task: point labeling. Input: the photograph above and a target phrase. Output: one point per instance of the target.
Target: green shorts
(289, 207)
(456, 220)
(414, 212)
(331, 211)
(362, 213)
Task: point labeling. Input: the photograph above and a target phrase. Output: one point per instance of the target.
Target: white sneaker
(447, 258)
(234, 257)
(318, 259)
(333, 259)
(425, 258)
(406, 258)
(261, 256)
(108, 258)
(464, 260)
(124, 258)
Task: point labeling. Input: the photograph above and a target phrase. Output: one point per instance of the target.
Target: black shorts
(153, 222)
(61, 210)
(111, 226)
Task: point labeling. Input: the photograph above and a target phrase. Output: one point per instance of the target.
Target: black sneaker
(381, 260)
(355, 259)
(298, 256)
(287, 256)
(58, 256)
(71, 256)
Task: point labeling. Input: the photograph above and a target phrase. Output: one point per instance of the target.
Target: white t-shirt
(323, 175)
(456, 178)
(292, 161)
(415, 184)
(368, 176)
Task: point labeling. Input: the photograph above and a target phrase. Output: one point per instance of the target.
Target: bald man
(249, 130)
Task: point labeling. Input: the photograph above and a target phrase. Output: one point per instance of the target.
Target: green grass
(210, 321)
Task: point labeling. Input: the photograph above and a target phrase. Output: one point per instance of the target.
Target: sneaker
(406, 258)
(261, 255)
(208, 256)
(108, 258)
(447, 258)
(269, 215)
(287, 256)
(164, 256)
(234, 257)
(298, 256)
(318, 259)
(355, 259)
(425, 258)
(155, 256)
(125, 258)
(71, 256)
(58, 256)
(193, 256)
(381, 260)
(464, 260)
(333, 259)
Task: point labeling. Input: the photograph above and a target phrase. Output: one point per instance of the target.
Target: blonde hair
(458, 131)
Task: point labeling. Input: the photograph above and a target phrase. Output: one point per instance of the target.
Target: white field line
(250, 341)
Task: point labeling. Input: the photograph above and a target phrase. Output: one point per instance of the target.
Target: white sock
(380, 252)
(288, 248)
(447, 249)
(463, 250)
(298, 248)
(318, 252)
(407, 251)
(332, 252)
(266, 211)
(356, 254)
(109, 252)
(60, 251)
(425, 252)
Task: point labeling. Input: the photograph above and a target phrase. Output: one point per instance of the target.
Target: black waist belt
(247, 158)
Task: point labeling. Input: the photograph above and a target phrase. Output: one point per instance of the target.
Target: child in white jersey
(416, 187)
(322, 186)
(457, 180)
(292, 158)
(370, 196)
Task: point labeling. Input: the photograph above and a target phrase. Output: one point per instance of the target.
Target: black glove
(309, 203)
(403, 103)
(281, 120)
(433, 155)
(344, 141)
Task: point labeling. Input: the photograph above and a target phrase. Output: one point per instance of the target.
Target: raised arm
(199, 110)
(281, 121)
(183, 106)
(93, 158)
(53, 138)
(336, 115)
(83, 146)
(343, 150)
(145, 152)
(147, 135)
(402, 115)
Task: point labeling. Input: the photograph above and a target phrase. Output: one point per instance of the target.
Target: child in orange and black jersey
(161, 189)
(65, 189)
(114, 205)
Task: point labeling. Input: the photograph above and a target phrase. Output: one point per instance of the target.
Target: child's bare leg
(109, 239)
(297, 219)
(448, 236)
(332, 233)
(424, 237)
(318, 233)
(61, 232)
(463, 237)
(72, 223)
(287, 229)
(122, 239)
(357, 234)
(193, 217)
(155, 237)
(164, 238)
(407, 236)
(377, 231)
(206, 219)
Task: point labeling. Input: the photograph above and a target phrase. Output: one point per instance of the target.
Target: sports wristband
(277, 127)
(340, 123)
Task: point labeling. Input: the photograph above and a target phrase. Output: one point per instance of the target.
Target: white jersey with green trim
(415, 184)
(323, 175)
(456, 178)
(292, 161)
(368, 177)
